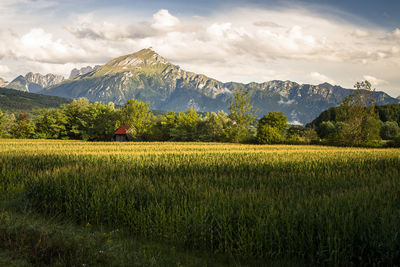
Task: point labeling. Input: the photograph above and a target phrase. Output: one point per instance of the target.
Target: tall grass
(321, 205)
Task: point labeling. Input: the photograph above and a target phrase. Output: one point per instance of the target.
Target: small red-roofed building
(121, 135)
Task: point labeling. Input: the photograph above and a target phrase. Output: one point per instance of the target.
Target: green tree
(165, 125)
(275, 119)
(4, 125)
(270, 128)
(155, 132)
(22, 127)
(185, 126)
(138, 117)
(326, 129)
(395, 142)
(51, 123)
(370, 128)
(102, 119)
(360, 120)
(390, 130)
(295, 134)
(242, 115)
(214, 127)
(267, 134)
(295, 130)
(310, 135)
(77, 118)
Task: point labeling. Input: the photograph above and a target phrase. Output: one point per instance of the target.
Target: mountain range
(34, 82)
(75, 72)
(147, 76)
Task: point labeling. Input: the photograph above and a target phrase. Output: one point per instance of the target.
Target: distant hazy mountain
(34, 82)
(17, 101)
(3, 82)
(75, 72)
(147, 76)
(300, 102)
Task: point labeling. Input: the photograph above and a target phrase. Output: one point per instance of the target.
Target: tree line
(356, 123)
(359, 122)
(82, 120)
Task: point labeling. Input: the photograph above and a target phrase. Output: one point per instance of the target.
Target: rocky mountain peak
(43, 80)
(325, 85)
(144, 57)
(75, 72)
(34, 82)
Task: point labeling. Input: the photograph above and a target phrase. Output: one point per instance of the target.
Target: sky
(306, 41)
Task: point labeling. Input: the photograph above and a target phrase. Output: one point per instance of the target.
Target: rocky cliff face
(34, 82)
(3, 83)
(75, 72)
(19, 83)
(149, 77)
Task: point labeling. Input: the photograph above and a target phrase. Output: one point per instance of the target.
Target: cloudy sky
(307, 41)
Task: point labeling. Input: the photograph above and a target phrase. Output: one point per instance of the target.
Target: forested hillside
(386, 113)
(18, 101)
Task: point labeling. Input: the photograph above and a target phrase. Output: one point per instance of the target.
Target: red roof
(122, 130)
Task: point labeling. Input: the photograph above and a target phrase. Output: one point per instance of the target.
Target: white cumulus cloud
(394, 34)
(163, 20)
(374, 81)
(4, 70)
(288, 102)
(321, 78)
(242, 44)
(361, 33)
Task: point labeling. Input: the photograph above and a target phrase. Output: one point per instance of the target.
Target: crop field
(311, 204)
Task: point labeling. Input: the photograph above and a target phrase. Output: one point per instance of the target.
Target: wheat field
(321, 205)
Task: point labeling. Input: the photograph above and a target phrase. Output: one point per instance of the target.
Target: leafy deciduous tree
(267, 134)
(390, 130)
(51, 123)
(185, 126)
(77, 118)
(22, 128)
(138, 117)
(242, 115)
(102, 120)
(326, 129)
(360, 121)
(4, 124)
(275, 119)
(214, 127)
(270, 128)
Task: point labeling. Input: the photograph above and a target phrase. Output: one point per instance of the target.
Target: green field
(198, 204)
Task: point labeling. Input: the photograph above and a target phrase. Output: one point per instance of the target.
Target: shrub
(274, 119)
(269, 135)
(395, 142)
(326, 129)
(390, 130)
(311, 136)
(295, 131)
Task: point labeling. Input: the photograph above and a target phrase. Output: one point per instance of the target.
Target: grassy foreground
(273, 204)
